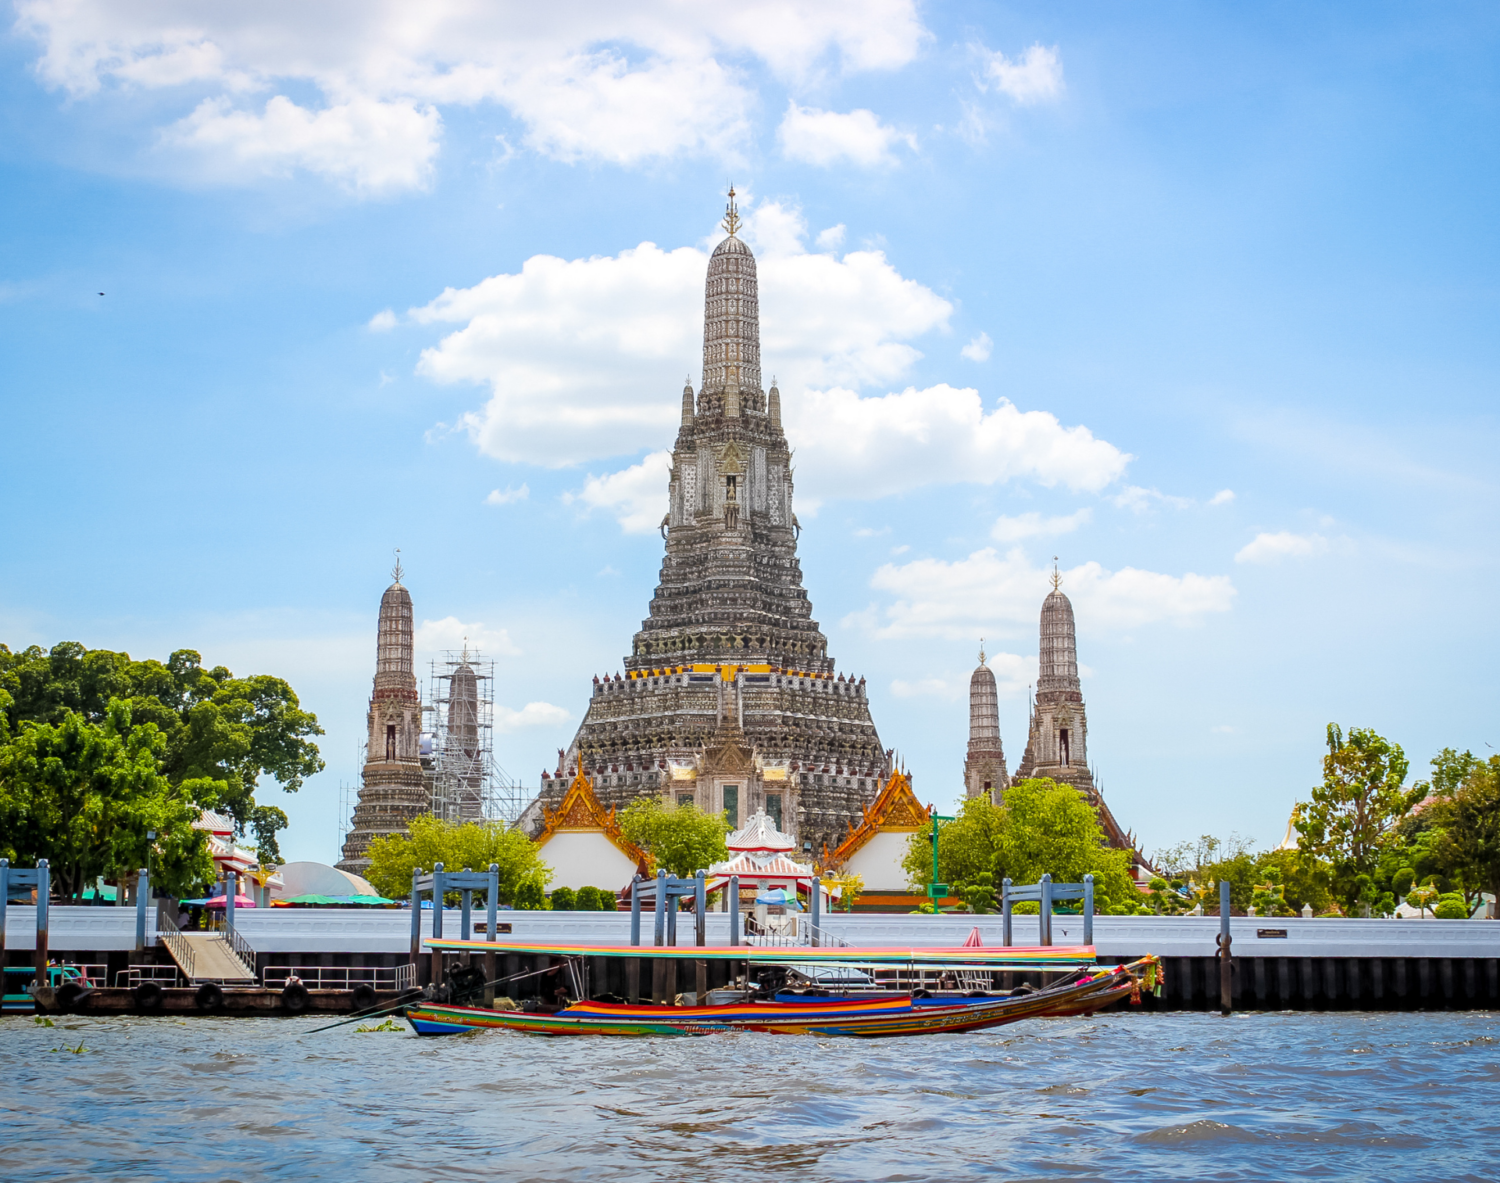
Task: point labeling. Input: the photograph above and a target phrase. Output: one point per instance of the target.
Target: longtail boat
(1084, 988)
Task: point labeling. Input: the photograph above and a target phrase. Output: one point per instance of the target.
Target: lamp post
(936, 890)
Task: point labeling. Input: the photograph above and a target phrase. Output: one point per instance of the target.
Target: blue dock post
(4, 900)
(673, 903)
(661, 907)
(437, 922)
(734, 909)
(466, 910)
(1005, 906)
(142, 893)
(817, 908)
(700, 908)
(1226, 966)
(1046, 910)
(43, 895)
(635, 909)
(491, 921)
(416, 918)
(231, 887)
(1088, 909)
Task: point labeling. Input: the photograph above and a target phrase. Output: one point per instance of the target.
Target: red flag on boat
(973, 940)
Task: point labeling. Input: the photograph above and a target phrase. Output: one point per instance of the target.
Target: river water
(1114, 1097)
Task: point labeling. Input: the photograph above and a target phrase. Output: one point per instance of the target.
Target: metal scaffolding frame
(467, 783)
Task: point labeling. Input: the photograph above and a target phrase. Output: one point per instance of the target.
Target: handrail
(177, 944)
(810, 933)
(243, 950)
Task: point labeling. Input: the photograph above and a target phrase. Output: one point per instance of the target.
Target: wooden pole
(635, 914)
(817, 911)
(437, 922)
(661, 908)
(700, 910)
(1046, 910)
(491, 923)
(702, 983)
(1226, 965)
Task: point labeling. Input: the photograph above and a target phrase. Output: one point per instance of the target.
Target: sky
(1200, 299)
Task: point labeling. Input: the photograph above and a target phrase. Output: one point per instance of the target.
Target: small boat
(1083, 991)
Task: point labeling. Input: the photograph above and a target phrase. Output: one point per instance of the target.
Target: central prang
(729, 698)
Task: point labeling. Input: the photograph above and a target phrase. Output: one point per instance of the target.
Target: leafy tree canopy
(1351, 816)
(1468, 843)
(680, 838)
(523, 875)
(1040, 827)
(218, 733)
(84, 794)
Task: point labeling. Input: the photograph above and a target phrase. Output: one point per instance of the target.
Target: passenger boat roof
(1058, 957)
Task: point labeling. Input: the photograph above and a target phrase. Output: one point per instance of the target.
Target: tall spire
(396, 571)
(1056, 578)
(731, 222)
(731, 325)
(1058, 656)
(984, 765)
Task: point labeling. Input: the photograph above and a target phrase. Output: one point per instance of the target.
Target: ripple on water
(1257, 1097)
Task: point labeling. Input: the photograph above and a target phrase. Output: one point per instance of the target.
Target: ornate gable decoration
(728, 753)
(580, 810)
(732, 459)
(896, 810)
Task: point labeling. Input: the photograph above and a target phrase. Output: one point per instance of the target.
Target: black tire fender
(68, 994)
(147, 995)
(210, 996)
(294, 998)
(364, 996)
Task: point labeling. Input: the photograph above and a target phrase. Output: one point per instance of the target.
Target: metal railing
(243, 950)
(809, 933)
(134, 975)
(342, 977)
(178, 945)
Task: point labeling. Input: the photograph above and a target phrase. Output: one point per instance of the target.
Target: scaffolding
(467, 783)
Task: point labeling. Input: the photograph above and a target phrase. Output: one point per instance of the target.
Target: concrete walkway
(214, 961)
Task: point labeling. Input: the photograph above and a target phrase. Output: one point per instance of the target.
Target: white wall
(878, 862)
(586, 858)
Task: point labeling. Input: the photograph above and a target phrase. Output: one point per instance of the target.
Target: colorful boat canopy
(1059, 957)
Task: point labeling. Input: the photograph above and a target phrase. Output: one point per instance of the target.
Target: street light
(935, 889)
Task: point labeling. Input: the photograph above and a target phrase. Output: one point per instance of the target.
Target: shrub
(1451, 907)
(563, 900)
(587, 899)
(529, 897)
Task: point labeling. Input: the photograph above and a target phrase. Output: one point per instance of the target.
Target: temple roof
(760, 834)
(896, 809)
(580, 810)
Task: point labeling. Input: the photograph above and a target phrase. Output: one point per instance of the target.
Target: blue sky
(1200, 299)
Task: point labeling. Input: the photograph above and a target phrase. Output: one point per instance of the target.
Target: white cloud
(637, 496)
(435, 636)
(857, 447)
(369, 146)
(995, 594)
(1271, 548)
(575, 353)
(831, 239)
(827, 138)
(507, 495)
(382, 322)
(533, 714)
(1034, 525)
(978, 349)
(1222, 497)
(589, 80)
(1139, 500)
(1036, 77)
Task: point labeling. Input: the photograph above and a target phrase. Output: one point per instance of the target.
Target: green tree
(220, 733)
(457, 845)
(680, 838)
(1041, 827)
(84, 796)
(587, 900)
(563, 900)
(1469, 840)
(1352, 814)
(979, 896)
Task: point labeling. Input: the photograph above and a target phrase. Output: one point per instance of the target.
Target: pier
(349, 960)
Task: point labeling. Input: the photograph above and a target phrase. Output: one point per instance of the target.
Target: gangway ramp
(213, 960)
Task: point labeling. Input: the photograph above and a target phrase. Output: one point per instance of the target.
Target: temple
(984, 766)
(728, 697)
(1057, 744)
(394, 787)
